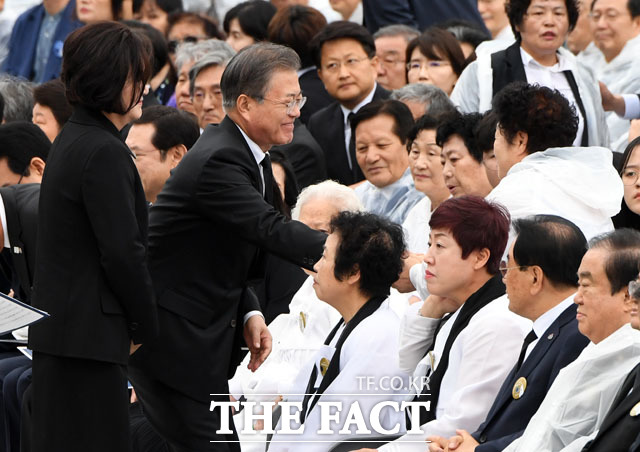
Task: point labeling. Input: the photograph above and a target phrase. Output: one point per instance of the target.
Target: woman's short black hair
(424, 122)
(209, 26)
(51, 94)
(399, 112)
(253, 16)
(462, 125)
(486, 131)
(516, 9)
(168, 6)
(295, 26)
(291, 189)
(545, 115)
(438, 44)
(158, 43)
(370, 244)
(99, 59)
(626, 218)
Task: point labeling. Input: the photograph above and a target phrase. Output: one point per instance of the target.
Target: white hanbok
(621, 76)
(581, 395)
(370, 353)
(576, 183)
(480, 359)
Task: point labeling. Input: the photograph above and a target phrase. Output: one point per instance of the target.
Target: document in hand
(14, 314)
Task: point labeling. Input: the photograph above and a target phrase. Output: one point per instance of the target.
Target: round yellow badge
(519, 388)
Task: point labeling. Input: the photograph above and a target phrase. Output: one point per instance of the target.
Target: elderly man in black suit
(344, 54)
(209, 230)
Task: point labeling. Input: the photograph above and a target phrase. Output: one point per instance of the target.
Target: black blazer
(507, 67)
(207, 232)
(619, 429)
(91, 273)
(315, 92)
(559, 345)
(21, 213)
(327, 127)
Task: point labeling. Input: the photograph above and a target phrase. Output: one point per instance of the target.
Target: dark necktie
(267, 175)
(527, 340)
(351, 152)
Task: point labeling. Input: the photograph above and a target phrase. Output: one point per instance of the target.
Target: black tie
(527, 340)
(267, 175)
(352, 143)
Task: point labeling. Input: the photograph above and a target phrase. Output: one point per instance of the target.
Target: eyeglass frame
(504, 269)
(634, 180)
(290, 105)
(350, 63)
(428, 65)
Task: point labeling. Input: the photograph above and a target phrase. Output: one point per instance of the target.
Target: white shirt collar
(543, 322)
(258, 153)
(368, 99)
(304, 70)
(563, 63)
(3, 219)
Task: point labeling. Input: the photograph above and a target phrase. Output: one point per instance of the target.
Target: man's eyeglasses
(350, 63)
(290, 105)
(504, 269)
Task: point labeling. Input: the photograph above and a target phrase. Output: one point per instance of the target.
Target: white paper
(14, 314)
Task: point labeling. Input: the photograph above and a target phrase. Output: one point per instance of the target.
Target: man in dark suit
(541, 279)
(419, 14)
(345, 55)
(209, 230)
(620, 426)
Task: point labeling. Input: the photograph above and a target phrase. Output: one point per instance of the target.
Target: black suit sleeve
(226, 195)
(108, 192)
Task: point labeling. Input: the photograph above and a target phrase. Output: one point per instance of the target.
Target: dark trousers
(186, 424)
(77, 405)
(16, 375)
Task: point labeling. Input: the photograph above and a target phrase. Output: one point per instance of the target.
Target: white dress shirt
(542, 323)
(347, 127)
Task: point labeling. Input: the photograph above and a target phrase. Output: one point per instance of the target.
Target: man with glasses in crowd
(344, 53)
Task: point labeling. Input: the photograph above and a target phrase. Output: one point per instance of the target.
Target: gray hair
(405, 31)
(18, 98)
(190, 51)
(218, 58)
(435, 100)
(341, 196)
(251, 70)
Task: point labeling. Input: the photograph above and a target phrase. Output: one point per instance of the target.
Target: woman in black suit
(91, 274)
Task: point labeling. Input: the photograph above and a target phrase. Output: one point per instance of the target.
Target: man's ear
(521, 140)
(175, 154)
(537, 279)
(36, 166)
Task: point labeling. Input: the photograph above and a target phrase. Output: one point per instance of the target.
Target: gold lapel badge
(324, 365)
(519, 388)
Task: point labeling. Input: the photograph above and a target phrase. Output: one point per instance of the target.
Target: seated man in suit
(381, 130)
(541, 279)
(583, 392)
(159, 139)
(208, 232)
(362, 258)
(344, 54)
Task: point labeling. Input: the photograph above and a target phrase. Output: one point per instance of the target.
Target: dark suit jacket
(91, 273)
(305, 155)
(21, 212)
(559, 345)
(207, 230)
(507, 68)
(327, 127)
(419, 14)
(315, 92)
(24, 39)
(619, 429)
